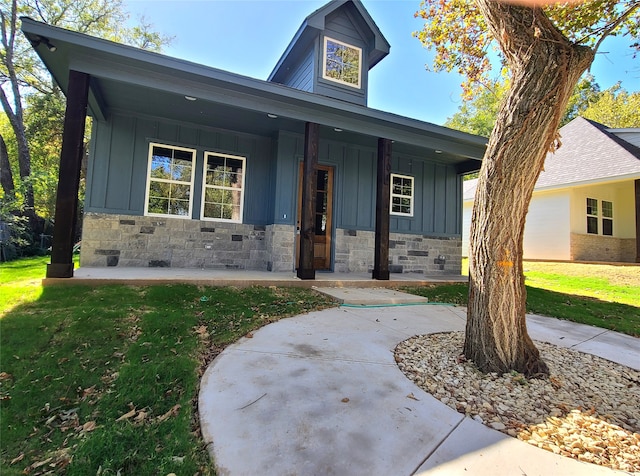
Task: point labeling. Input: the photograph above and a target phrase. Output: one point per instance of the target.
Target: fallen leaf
(5, 376)
(127, 415)
(172, 412)
(249, 335)
(412, 397)
(345, 400)
(89, 426)
(140, 416)
(17, 459)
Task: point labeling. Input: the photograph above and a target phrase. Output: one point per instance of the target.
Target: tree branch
(607, 29)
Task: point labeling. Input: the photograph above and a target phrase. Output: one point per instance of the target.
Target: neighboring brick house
(195, 167)
(586, 203)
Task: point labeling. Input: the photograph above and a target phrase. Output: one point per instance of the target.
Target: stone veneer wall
(124, 240)
(408, 253)
(585, 247)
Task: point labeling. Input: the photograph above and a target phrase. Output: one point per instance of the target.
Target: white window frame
(150, 179)
(205, 186)
(324, 63)
(392, 195)
(606, 216)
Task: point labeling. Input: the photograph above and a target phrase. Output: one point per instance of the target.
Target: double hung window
(223, 187)
(401, 195)
(170, 181)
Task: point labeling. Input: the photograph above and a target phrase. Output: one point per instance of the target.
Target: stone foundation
(408, 253)
(602, 248)
(123, 240)
(128, 241)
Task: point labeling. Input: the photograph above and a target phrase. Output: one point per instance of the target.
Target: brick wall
(586, 247)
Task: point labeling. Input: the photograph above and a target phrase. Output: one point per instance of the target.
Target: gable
(303, 64)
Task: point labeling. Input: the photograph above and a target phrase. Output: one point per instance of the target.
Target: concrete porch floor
(242, 278)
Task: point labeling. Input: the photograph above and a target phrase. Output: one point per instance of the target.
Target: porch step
(371, 296)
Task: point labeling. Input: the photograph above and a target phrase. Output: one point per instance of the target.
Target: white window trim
(324, 63)
(205, 186)
(149, 179)
(391, 194)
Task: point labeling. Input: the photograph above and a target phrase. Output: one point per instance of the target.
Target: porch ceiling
(126, 79)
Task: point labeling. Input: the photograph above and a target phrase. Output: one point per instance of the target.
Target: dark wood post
(637, 182)
(69, 177)
(309, 188)
(381, 254)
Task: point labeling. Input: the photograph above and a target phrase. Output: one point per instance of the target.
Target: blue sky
(248, 36)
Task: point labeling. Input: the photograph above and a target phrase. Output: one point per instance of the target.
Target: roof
(315, 23)
(132, 80)
(590, 153)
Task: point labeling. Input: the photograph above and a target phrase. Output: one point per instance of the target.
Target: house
(195, 167)
(586, 202)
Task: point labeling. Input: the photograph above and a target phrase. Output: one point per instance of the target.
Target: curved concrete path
(320, 394)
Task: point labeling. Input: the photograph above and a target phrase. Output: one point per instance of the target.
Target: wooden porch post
(309, 188)
(69, 177)
(637, 183)
(381, 254)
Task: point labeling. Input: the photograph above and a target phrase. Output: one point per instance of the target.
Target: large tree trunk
(544, 67)
(6, 176)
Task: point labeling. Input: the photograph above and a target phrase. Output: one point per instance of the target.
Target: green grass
(599, 295)
(75, 359)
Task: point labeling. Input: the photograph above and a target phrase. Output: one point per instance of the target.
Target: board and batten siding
(437, 194)
(117, 169)
(301, 76)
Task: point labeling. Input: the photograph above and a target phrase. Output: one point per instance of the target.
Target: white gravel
(588, 408)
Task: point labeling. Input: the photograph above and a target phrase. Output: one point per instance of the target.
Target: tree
(546, 52)
(478, 115)
(615, 107)
(23, 77)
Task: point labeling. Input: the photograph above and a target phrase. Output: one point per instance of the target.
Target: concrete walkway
(320, 394)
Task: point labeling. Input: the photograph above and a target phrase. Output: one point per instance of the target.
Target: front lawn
(104, 380)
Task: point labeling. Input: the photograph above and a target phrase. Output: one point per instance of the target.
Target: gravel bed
(588, 408)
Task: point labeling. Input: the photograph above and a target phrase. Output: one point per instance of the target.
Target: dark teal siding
(118, 167)
(437, 206)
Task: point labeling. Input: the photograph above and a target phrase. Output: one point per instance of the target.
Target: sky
(248, 37)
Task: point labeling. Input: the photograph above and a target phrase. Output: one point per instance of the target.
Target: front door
(323, 218)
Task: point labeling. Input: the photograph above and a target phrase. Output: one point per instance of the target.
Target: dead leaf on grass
(5, 376)
(128, 415)
(88, 426)
(17, 459)
(172, 412)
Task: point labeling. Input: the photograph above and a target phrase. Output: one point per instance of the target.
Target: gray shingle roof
(589, 154)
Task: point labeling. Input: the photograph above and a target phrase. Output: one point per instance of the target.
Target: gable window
(607, 218)
(592, 216)
(223, 187)
(401, 195)
(342, 62)
(170, 181)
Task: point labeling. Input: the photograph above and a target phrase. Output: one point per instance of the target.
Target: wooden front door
(323, 218)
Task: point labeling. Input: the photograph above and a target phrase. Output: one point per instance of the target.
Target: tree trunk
(544, 67)
(6, 176)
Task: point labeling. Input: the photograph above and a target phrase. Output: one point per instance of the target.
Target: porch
(242, 278)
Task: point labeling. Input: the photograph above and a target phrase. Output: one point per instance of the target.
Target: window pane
(158, 205)
(160, 167)
(592, 206)
(607, 227)
(607, 209)
(179, 207)
(592, 225)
